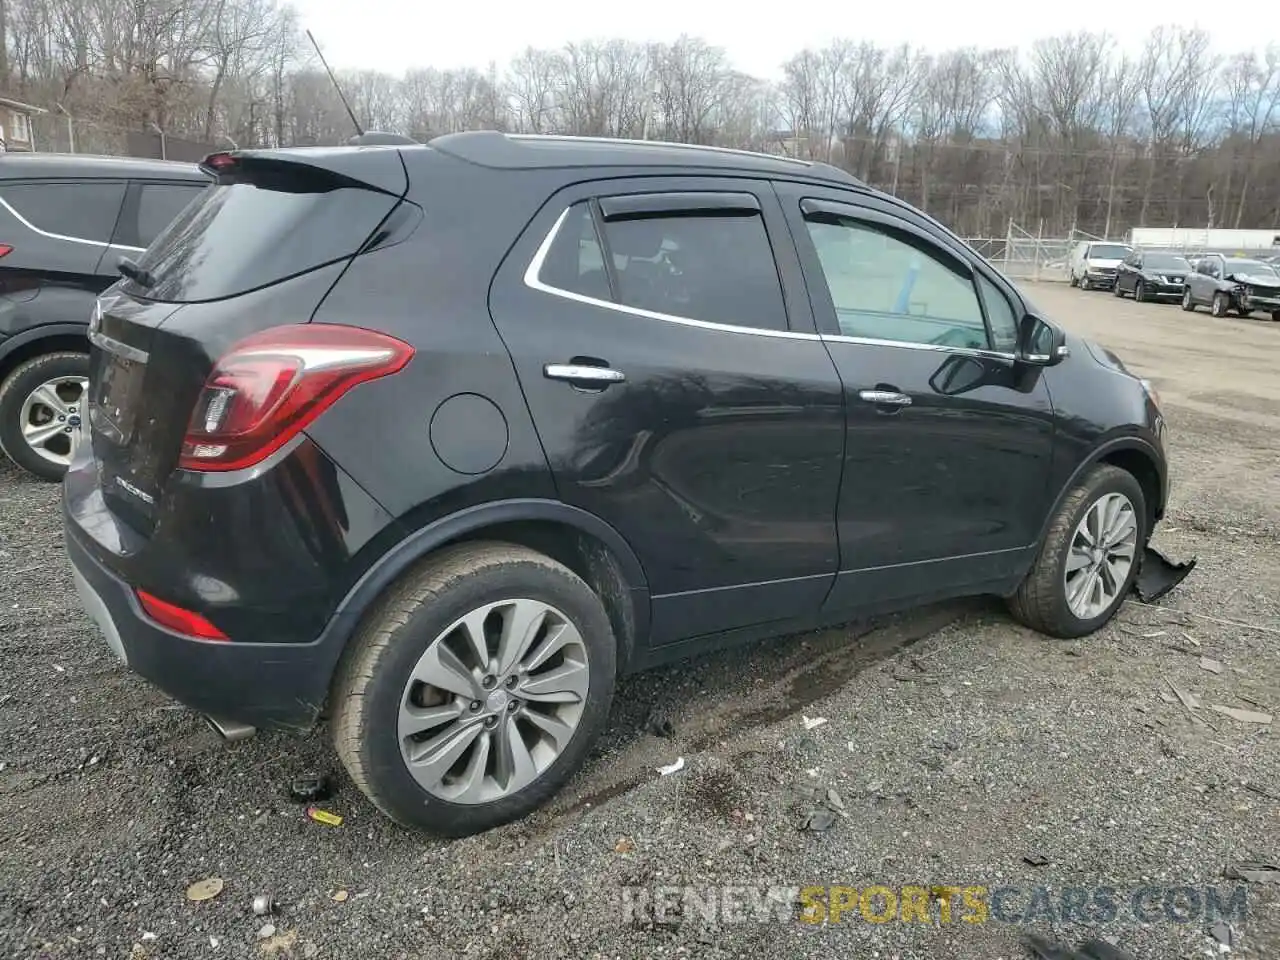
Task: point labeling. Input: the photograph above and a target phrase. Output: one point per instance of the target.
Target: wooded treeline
(1069, 132)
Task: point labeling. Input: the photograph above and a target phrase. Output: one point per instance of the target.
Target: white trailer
(1191, 239)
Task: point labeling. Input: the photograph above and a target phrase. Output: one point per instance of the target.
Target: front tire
(1089, 559)
(1219, 305)
(1116, 290)
(41, 406)
(474, 690)
(1140, 292)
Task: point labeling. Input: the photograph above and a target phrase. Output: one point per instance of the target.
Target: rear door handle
(889, 397)
(578, 373)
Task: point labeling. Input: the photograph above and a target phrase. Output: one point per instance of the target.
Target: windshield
(1254, 267)
(1165, 261)
(1109, 251)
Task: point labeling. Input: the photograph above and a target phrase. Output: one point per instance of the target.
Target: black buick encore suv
(437, 440)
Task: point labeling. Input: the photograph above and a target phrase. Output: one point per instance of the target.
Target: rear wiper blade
(129, 268)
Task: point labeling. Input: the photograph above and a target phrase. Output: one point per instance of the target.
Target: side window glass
(885, 288)
(85, 211)
(718, 269)
(574, 262)
(1001, 316)
(159, 204)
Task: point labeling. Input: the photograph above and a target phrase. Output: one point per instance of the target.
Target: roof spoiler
(319, 168)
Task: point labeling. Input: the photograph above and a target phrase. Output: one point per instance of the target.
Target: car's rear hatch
(261, 248)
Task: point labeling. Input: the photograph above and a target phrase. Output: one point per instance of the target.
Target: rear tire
(22, 413)
(1188, 304)
(1073, 281)
(420, 629)
(1275, 316)
(1084, 282)
(1042, 602)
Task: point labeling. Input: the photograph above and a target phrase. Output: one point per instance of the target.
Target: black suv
(65, 221)
(452, 434)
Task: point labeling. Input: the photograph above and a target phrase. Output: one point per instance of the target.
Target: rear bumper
(268, 685)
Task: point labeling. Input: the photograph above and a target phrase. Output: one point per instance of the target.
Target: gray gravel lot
(960, 745)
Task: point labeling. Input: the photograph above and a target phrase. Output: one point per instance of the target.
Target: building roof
(20, 106)
(528, 151)
(56, 165)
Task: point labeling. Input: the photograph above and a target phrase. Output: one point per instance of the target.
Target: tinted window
(885, 288)
(240, 236)
(713, 268)
(1001, 316)
(718, 269)
(1165, 261)
(574, 262)
(86, 211)
(159, 204)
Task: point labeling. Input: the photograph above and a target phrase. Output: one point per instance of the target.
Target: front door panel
(689, 415)
(948, 453)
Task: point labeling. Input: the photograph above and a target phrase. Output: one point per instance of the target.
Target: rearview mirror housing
(1040, 343)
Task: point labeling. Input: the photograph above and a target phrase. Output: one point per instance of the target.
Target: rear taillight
(270, 385)
(5, 249)
(177, 619)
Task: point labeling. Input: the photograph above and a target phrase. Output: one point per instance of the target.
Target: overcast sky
(395, 35)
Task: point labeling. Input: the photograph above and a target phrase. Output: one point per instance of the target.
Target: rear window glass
(159, 204)
(241, 236)
(83, 211)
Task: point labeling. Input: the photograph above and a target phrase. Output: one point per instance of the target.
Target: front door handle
(887, 397)
(580, 373)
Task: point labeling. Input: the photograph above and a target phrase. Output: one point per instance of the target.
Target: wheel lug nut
(475, 706)
(66, 429)
(513, 682)
(491, 721)
(62, 419)
(488, 682)
(513, 706)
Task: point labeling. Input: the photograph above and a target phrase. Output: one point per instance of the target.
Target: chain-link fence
(60, 133)
(1021, 255)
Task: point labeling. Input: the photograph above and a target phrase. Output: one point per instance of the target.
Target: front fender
(1128, 443)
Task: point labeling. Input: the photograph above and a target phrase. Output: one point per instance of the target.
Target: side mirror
(1040, 343)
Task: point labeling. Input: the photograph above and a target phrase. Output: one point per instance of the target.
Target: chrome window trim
(534, 282)
(58, 236)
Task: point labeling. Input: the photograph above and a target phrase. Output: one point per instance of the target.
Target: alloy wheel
(1103, 550)
(50, 418)
(493, 701)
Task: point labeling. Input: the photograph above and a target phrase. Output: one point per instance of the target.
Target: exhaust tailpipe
(229, 730)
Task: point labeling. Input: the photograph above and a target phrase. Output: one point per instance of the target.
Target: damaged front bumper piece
(1158, 574)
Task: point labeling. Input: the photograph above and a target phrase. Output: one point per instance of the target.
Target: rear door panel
(718, 457)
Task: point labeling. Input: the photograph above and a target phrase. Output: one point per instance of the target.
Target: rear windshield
(241, 236)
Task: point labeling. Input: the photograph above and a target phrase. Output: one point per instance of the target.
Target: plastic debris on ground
(670, 768)
(204, 889)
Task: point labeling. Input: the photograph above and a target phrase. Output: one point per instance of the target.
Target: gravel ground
(962, 748)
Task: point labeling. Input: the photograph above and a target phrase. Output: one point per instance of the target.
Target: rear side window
(241, 236)
(718, 268)
(159, 204)
(78, 210)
